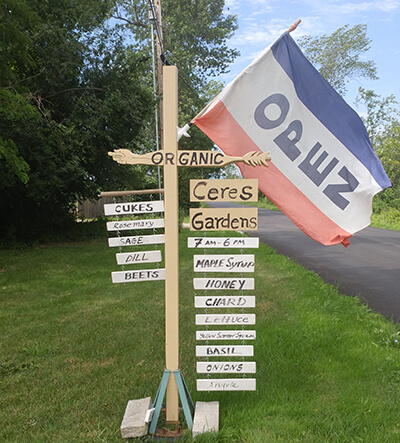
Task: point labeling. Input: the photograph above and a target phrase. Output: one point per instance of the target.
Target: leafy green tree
(69, 92)
(339, 57)
(388, 150)
(380, 112)
(194, 38)
(382, 123)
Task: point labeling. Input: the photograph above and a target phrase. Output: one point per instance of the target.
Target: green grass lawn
(74, 348)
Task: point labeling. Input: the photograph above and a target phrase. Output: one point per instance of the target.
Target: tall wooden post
(170, 119)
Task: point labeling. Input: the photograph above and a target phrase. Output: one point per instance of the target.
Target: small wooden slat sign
(225, 319)
(226, 384)
(130, 258)
(224, 263)
(134, 208)
(217, 219)
(224, 190)
(237, 334)
(228, 367)
(150, 223)
(137, 240)
(139, 275)
(227, 301)
(225, 351)
(223, 283)
(223, 242)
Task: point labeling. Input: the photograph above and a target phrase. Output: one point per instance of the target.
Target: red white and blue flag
(324, 171)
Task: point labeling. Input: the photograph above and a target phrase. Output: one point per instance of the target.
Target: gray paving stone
(133, 423)
(206, 417)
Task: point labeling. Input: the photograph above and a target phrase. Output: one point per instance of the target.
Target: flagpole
(294, 26)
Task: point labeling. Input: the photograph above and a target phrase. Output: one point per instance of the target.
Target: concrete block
(206, 417)
(133, 423)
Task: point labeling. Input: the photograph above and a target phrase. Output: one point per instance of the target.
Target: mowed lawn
(74, 348)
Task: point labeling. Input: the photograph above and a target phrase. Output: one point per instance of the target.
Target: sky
(261, 22)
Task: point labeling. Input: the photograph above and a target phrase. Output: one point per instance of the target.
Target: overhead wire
(165, 61)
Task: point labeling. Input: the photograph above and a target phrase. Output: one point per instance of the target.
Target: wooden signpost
(202, 219)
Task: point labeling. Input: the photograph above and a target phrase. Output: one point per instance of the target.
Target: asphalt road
(369, 268)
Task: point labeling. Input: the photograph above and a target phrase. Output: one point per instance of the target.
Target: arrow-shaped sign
(188, 158)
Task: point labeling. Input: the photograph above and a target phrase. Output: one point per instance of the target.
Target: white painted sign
(139, 275)
(226, 367)
(224, 263)
(225, 319)
(130, 258)
(226, 384)
(137, 240)
(125, 225)
(237, 334)
(223, 242)
(225, 351)
(223, 283)
(134, 208)
(227, 301)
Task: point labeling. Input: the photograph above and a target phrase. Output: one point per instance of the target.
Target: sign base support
(186, 400)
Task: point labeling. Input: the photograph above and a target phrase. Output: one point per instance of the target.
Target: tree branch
(130, 22)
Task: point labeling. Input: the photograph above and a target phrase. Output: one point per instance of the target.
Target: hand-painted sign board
(224, 351)
(131, 258)
(226, 367)
(235, 334)
(223, 263)
(134, 208)
(223, 242)
(240, 190)
(136, 241)
(217, 219)
(223, 283)
(188, 158)
(226, 301)
(225, 319)
(226, 384)
(125, 225)
(138, 275)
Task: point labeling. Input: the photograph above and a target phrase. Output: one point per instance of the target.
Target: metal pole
(170, 118)
(160, 66)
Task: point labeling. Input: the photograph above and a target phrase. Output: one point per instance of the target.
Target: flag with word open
(324, 171)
